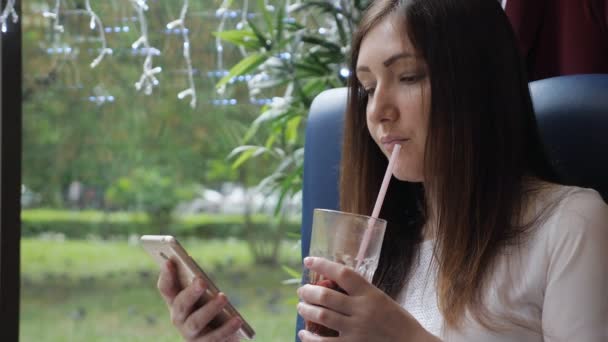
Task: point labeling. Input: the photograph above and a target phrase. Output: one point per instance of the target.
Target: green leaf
(247, 152)
(291, 272)
(271, 114)
(314, 86)
(266, 14)
(245, 38)
(289, 185)
(293, 235)
(310, 69)
(243, 158)
(270, 141)
(275, 81)
(294, 26)
(314, 40)
(240, 149)
(291, 130)
(253, 129)
(261, 37)
(341, 32)
(324, 6)
(315, 59)
(246, 65)
(279, 24)
(361, 5)
(330, 56)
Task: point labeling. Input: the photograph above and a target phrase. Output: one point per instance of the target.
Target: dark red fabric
(561, 37)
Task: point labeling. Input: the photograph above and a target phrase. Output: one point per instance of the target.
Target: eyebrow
(388, 61)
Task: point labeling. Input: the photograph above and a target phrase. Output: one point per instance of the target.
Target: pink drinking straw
(378, 205)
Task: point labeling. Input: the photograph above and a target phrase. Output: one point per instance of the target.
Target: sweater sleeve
(575, 306)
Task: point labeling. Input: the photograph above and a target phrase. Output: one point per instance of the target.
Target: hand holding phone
(198, 308)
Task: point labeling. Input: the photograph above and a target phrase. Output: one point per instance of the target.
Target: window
(103, 163)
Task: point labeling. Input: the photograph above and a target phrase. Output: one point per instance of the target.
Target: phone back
(165, 247)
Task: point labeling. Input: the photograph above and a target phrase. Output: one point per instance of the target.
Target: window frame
(10, 176)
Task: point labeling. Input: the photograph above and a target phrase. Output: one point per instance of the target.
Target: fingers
(322, 296)
(200, 318)
(183, 303)
(307, 336)
(167, 282)
(226, 331)
(346, 278)
(321, 315)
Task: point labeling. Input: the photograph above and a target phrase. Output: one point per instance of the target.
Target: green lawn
(106, 290)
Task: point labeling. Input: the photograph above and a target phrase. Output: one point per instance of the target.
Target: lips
(389, 142)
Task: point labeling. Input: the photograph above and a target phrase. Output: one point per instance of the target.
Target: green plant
(295, 53)
(78, 225)
(151, 190)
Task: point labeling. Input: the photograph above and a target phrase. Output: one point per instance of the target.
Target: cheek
(413, 100)
(415, 108)
(371, 127)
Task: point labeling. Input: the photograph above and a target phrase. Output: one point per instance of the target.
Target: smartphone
(165, 247)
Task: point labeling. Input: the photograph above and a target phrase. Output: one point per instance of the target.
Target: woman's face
(399, 95)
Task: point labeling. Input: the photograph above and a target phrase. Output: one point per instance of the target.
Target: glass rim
(367, 217)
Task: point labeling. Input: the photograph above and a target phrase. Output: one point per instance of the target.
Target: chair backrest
(572, 113)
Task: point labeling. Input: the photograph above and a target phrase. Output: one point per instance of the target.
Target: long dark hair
(482, 143)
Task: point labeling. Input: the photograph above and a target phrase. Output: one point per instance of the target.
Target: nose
(381, 107)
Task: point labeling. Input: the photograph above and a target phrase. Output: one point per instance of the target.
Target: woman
(483, 244)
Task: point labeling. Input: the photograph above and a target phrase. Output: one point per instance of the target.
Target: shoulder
(577, 211)
(574, 250)
(576, 225)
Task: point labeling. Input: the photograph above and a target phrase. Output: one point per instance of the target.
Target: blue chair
(572, 114)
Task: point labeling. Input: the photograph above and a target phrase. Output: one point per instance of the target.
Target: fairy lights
(9, 9)
(225, 15)
(96, 23)
(54, 16)
(180, 24)
(148, 79)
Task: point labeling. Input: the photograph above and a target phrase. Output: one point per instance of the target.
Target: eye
(411, 78)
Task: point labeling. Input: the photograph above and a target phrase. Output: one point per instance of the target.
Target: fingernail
(199, 285)
(222, 298)
(237, 322)
(301, 334)
(308, 261)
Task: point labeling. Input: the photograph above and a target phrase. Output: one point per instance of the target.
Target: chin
(405, 176)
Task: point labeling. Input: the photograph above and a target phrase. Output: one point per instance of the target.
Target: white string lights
(181, 25)
(54, 16)
(148, 79)
(142, 48)
(223, 12)
(96, 23)
(9, 9)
